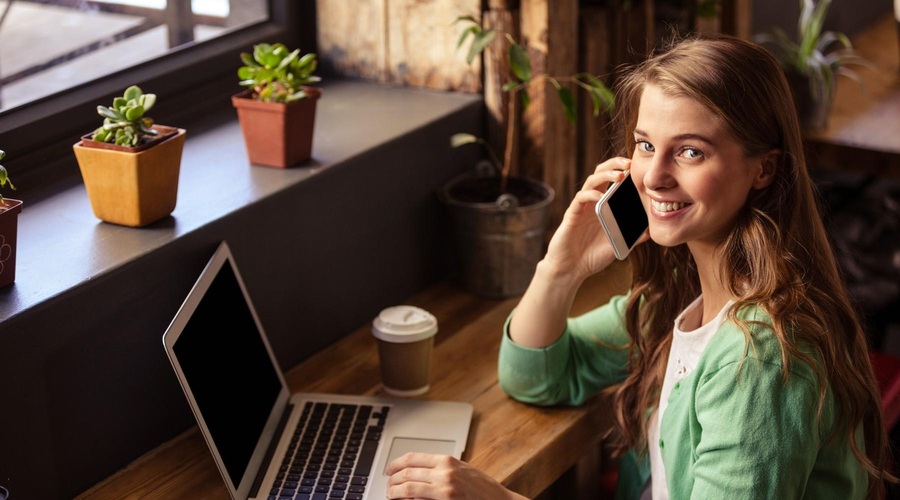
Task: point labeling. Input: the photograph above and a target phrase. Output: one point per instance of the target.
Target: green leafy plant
(276, 74)
(817, 55)
(4, 175)
(124, 124)
(522, 76)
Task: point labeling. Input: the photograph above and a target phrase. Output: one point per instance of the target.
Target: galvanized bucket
(498, 244)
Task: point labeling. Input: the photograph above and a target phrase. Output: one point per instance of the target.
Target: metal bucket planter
(498, 243)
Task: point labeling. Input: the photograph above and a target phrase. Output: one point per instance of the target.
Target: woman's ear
(768, 164)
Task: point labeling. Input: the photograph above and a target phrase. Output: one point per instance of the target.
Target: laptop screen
(229, 371)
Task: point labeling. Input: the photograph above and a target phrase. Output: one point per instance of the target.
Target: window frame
(190, 81)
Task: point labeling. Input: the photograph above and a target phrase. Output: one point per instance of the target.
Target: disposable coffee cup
(405, 337)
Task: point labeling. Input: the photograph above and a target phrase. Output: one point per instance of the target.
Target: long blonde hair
(777, 256)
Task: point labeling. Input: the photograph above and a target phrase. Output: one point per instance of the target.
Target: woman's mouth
(665, 207)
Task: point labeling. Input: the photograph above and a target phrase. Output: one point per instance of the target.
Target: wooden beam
(421, 44)
(548, 140)
(352, 38)
(737, 17)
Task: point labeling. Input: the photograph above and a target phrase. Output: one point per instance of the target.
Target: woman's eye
(645, 146)
(691, 153)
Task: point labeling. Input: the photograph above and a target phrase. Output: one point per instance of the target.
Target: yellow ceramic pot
(128, 187)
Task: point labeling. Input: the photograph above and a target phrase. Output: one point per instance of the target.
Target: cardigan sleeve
(591, 354)
(759, 434)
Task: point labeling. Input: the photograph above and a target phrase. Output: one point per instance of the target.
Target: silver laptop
(269, 443)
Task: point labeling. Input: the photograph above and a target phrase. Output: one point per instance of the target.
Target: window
(59, 59)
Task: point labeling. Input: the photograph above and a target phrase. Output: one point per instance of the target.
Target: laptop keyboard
(331, 452)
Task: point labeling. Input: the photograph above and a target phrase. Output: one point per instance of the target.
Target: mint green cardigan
(734, 428)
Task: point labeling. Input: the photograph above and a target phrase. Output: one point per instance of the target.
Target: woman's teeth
(666, 207)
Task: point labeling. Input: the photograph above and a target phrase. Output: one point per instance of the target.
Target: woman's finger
(413, 459)
(410, 490)
(609, 171)
(614, 163)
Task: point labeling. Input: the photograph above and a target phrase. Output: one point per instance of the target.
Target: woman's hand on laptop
(440, 477)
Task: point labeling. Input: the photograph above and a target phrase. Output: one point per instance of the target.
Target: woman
(737, 364)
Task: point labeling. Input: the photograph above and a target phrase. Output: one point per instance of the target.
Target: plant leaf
(482, 39)
(147, 101)
(132, 114)
(108, 113)
(4, 177)
(132, 93)
(519, 62)
(471, 30)
(568, 103)
(510, 85)
(461, 139)
(466, 18)
(526, 99)
(247, 59)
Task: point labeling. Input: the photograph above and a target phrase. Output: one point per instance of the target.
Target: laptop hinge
(267, 459)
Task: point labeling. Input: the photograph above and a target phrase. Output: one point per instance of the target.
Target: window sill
(62, 245)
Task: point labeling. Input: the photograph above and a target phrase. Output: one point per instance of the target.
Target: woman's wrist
(562, 277)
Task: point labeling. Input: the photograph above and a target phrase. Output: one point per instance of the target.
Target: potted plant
(9, 215)
(813, 62)
(129, 164)
(500, 221)
(277, 111)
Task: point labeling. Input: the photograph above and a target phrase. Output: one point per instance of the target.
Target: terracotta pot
(132, 188)
(276, 134)
(9, 218)
(498, 244)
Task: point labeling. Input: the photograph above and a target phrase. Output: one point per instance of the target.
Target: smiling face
(693, 176)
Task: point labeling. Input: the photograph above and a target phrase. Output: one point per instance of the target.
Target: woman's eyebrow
(679, 137)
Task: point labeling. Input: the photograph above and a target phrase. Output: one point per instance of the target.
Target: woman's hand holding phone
(580, 247)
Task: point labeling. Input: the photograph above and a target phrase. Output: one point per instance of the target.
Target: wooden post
(631, 31)
(548, 140)
(736, 17)
(180, 22)
(593, 131)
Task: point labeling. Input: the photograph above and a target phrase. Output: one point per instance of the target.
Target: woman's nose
(658, 174)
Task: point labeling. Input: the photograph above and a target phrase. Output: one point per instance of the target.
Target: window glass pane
(47, 46)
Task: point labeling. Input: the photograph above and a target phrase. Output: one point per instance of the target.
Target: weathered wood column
(548, 140)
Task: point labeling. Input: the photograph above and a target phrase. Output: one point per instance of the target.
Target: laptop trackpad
(401, 446)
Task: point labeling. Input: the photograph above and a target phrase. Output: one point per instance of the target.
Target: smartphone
(622, 215)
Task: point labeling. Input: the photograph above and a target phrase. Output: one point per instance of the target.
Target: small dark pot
(9, 222)
(811, 111)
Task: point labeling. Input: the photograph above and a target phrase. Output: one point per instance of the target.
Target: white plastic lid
(404, 324)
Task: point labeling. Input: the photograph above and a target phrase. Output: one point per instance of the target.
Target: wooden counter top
(524, 447)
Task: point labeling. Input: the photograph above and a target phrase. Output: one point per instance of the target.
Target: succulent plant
(4, 175)
(276, 74)
(124, 124)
